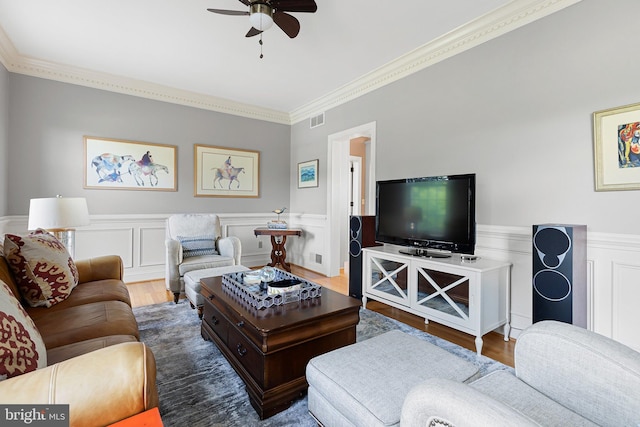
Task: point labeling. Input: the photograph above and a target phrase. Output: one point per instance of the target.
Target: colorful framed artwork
(226, 172)
(616, 133)
(308, 174)
(129, 165)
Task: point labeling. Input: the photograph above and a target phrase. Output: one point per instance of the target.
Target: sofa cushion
(506, 388)
(85, 322)
(65, 352)
(608, 395)
(198, 245)
(86, 293)
(202, 262)
(21, 346)
(42, 267)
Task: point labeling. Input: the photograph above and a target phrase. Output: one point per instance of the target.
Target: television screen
(431, 212)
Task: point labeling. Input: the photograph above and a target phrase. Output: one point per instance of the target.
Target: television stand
(425, 253)
(472, 297)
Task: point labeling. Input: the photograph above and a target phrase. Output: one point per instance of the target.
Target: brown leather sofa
(95, 362)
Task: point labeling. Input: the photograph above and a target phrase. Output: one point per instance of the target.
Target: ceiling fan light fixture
(261, 16)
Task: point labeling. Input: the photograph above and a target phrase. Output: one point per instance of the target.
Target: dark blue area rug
(198, 387)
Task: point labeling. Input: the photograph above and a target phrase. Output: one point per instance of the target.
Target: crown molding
(16, 63)
(502, 20)
(494, 24)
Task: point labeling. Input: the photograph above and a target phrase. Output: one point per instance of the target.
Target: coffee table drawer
(247, 354)
(216, 321)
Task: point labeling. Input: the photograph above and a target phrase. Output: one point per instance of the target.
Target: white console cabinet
(469, 295)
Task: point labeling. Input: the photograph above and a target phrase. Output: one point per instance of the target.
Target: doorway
(338, 190)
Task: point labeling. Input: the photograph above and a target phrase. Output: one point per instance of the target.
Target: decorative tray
(261, 295)
(277, 225)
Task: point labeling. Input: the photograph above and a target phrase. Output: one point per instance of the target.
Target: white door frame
(355, 194)
(338, 195)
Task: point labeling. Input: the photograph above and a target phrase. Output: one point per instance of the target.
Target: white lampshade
(260, 17)
(58, 213)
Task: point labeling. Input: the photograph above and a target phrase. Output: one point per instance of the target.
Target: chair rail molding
(613, 260)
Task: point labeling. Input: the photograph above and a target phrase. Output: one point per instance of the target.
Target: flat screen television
(428, 213)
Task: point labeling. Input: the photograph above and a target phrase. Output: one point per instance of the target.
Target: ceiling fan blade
(245, 2)
(253, 32)
(294, 5)
(289, 24)
(228, 12)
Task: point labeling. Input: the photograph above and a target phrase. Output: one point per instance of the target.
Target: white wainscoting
(613, 266)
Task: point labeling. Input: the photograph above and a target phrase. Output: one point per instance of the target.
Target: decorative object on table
(277, 224)
(616, 133)
(259, 297)
(60, 216)
(129, 165)
(253, 277)
(261, 277)
(268, 274)
(226, 172)
(308, 174)
(283, 286)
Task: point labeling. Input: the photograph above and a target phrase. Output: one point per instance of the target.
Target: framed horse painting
(226, 172)
(129, 165)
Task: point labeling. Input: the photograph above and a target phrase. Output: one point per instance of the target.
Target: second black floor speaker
(560, 273)
(362, 234)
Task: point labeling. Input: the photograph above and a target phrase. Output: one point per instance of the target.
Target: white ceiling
(176, 49)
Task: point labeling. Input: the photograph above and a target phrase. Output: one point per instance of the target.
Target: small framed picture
(308, 174)
(616, 134)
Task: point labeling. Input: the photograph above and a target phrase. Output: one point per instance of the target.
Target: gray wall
(516, 110)
(49, 119)
(4, 135)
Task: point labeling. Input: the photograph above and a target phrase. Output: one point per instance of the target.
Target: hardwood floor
(154, 292)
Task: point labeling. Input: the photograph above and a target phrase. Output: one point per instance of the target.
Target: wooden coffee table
(270, 348)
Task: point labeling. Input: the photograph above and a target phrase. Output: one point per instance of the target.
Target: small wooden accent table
(278, 239)
(270, 348)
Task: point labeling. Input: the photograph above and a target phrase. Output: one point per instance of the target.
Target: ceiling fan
(264, 13)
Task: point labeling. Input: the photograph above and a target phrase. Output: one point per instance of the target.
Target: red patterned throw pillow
(21, 347)
(42, 267)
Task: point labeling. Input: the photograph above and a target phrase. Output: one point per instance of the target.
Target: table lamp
(59, 215)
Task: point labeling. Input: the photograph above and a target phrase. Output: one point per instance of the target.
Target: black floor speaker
(560, 273)
(362, 234)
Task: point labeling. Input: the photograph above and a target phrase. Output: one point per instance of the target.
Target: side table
(278, 239)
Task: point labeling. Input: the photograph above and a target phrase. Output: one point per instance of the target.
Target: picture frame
(119, 164)
(308, 174)
(616, 134)
(226, 172)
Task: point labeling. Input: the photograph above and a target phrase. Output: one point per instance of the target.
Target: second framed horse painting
(226, 172)
(129, 165)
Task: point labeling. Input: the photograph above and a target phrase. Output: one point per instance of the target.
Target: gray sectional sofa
(564, 376)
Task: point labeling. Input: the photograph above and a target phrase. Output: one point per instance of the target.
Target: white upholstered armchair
(194, 242)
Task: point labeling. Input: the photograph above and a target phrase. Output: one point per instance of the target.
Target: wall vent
(316, 121)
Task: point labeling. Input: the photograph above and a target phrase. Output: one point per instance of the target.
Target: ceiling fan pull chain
(261, 56)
